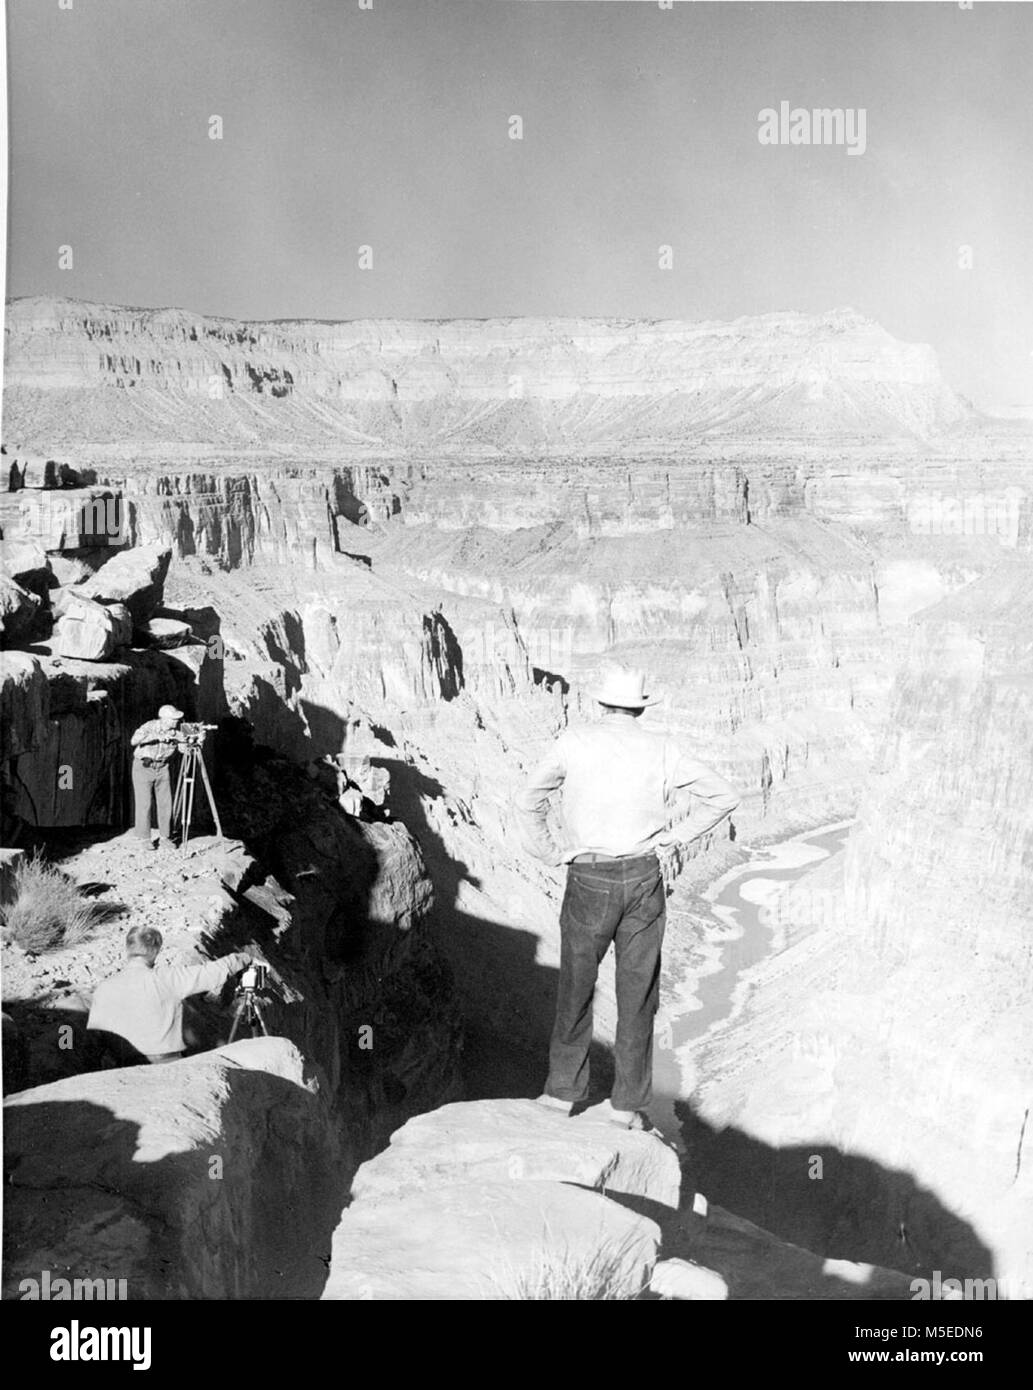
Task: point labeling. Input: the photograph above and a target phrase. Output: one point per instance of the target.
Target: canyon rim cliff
(421, 542)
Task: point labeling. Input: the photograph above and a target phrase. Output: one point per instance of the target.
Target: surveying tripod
(248, 1011)
(191, 762)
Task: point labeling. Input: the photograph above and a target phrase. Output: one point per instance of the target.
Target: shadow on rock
(495, 966)
(839, 1205)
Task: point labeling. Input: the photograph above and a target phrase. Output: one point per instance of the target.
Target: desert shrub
(560, 1274)
(48, 911)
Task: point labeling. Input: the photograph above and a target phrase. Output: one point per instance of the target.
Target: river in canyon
(738, 937)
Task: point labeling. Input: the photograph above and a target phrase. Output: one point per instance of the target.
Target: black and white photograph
(517, 667)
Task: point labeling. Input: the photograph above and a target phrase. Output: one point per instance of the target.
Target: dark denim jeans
(152, 783)
(620, 901)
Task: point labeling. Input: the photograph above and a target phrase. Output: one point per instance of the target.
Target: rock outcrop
(509, 384)
(19, 612)
(165, 633)
(26, 562)
(34, 471)
(493, 1241)
(134, 577)
(66, 726)
(518, 1140)
(85, 630)
(503, 1199)
(211, 1178)
(687, 1282)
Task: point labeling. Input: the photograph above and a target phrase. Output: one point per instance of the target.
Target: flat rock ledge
(519, 1140)
(504, 1199)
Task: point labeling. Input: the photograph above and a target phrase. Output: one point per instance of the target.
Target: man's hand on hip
(672, 858)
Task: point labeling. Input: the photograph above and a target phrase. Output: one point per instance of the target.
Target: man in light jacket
(144, 1007)
(631, 800)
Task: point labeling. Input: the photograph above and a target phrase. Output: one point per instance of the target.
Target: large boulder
(500, 1140)
(134, 577)
(66, 598)
(85, 630)
(165, 633)
(19, 612)
(688, 1281)
(69, 569)
(212, 1177)
(492, 1241)
(123, 621)
(24, 703)
(26, 562)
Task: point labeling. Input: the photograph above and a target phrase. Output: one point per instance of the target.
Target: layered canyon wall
(892, 1037)
(482, 384)
(423, 541)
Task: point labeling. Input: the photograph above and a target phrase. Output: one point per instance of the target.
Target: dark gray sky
(390, 127)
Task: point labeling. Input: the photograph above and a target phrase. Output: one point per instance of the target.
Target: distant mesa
(459, 385)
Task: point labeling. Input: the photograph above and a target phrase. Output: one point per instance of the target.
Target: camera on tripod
(249, 1012)
(191, 739)
(255, 977)
(195, 733)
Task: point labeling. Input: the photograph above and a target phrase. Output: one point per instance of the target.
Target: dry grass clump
(557, 1273)
(48, 911)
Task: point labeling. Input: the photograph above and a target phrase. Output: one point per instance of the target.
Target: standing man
(154, 745)
(143, 1007)
(628, 810)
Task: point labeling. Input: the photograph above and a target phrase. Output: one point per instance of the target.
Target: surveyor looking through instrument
(143, 1007)
(155, 744)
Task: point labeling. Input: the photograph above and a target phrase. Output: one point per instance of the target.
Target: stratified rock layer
(495, 383)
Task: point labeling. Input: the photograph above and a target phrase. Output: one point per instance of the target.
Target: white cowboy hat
(625, 689)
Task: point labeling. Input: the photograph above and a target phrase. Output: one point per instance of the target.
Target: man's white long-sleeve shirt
(627, 790)
(144, 1005)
